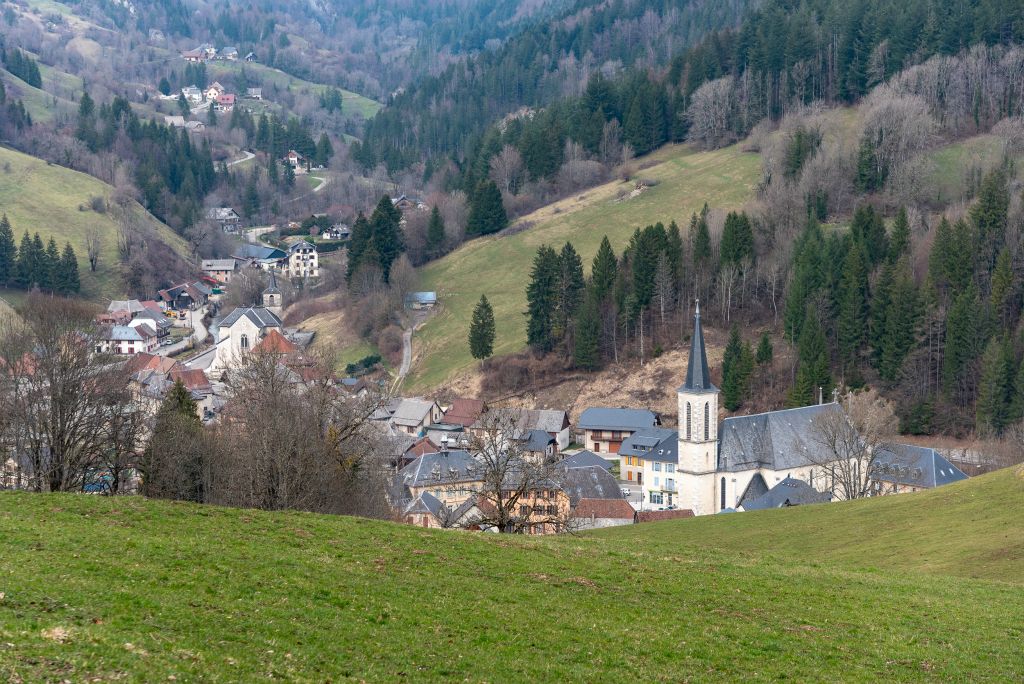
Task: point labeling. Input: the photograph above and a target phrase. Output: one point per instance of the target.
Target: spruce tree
(8, 253)
(900, 322)
(481, 330)
(24, 267)
(211, 116)
(288, 176)
(701, 239)
(851, 327)
(68, 280)
(542, 298)
(765, 351)
(435, 234)
(1004, 295)
(992, 408)
(989, 216)
(587, 342)
(1016, 410)
(358, 242)
(737, 366)
(164, 87)
(964, 340)
(674, 252)
(486, 210)
(899, 240)
(324, 150)
(571, 288)
(164, 474)
(388, 239)
(737, 239)
(808, 277)
(50, 267)
(812, 374)
(604, 271)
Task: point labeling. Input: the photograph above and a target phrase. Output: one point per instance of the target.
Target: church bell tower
(272, 296)
(698, 429)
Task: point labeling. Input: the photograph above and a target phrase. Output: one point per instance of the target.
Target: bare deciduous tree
(93, 247)
(507, 169)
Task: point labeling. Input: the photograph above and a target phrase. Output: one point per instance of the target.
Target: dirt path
(248, 155)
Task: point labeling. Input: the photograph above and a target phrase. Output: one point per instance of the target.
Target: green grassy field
(500, 267)
(136, 590)
(54, 200)
(951, 163)
(352, 103)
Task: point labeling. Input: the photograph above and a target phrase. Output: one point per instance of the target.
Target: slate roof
(777, 440)
(301, 245)
(788, 492)
(258, 252)
(218, 265)
(221, 214)
(537, 440)
(441, 467)
(914, 466)
(421, 298)
(756, 488)
(590, 482)
(426, 503)
(698, 378)
(124, 333)
(132, 306)
(600, 418)
(652, 444)
(585, 459)
(411, 412)
(548, 420)
(260, 317)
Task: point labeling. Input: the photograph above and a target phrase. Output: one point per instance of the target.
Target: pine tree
(288, 176)
(8, 253)
(737, 239)
(211, 116)
(587, 349)
(899, 240)
(571, 288)
(765, 351)
(737, 366)
(251, 198)
(542, 298)
(24, 270)
(358, 241)
(851, 327)
(674, 251)
(272, 173)
(1016, 410)
(388, 239)
(899, 323)
(177, 418)
(50, 267)
(481, 330)
(604, 271)
(1004, 296)
(486, 210)
(324, 150)
(964, 339)
(992, 408)
(164, 87)
(812, 374)
(435, 234)
(68, 280)
(989, 216)
(808, 277)
(183, 105)
(701, 239)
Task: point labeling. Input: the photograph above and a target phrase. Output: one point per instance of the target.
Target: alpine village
(511, 341)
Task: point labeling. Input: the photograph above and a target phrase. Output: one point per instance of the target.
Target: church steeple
(272, 295)
(698, 378)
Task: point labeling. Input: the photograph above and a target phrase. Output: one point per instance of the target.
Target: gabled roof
(275, 343)
(146, 361)
(608, 509)
(777, 440)
(124, 333)
(601, 418)
(221, 213)
(652, 444)
(412, 412)
(788, 492)
(756, 488)
(421, 446)
(421, 298)
(548, 420)
(426, 503)
(218, 264)
(698, 378)
(590, 482)
(585, 459)
(259, 316)
(537, 441)
(194, 380)
(249, 251)
(914, 466)
(464, 411)
(301, 244)
(440, 468)
(132, 306)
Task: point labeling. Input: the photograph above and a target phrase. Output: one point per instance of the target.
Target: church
(711, 466)
(244, 328)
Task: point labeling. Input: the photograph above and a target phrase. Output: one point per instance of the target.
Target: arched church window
(723, 495)
(707, 420)
(688, 430)
(243, 342)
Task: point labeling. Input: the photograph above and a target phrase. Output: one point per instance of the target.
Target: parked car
(168, 342)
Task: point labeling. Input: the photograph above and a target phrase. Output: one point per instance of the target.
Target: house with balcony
(605, 429)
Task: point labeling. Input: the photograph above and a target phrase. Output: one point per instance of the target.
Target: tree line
(33, 266)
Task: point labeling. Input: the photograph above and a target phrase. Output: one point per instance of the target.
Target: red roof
(464, 412)
(276, 343)
(618, 509)
(421, 446)
(147, 361)
(226, 98)
(193, 379)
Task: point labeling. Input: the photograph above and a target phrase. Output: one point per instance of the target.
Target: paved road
(406, 354)
(248, 155)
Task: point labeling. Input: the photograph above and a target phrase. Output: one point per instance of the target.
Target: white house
(302, 262)
(238, 333)
(193, 94)
(128, 340)
(413, 415)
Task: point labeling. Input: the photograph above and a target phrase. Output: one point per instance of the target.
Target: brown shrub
(389, 342)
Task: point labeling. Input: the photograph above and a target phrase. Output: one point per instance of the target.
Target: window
(657, 467)
(670, 467)
(707, 421)
(524, 511)
(688, 431)
(656, 498)
(722, 507)
(670, 483)
(243, 342)
(655, 482)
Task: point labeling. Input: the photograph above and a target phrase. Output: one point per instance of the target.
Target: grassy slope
(46, 198)
(500, 267)
(143, 590)
(351, 102)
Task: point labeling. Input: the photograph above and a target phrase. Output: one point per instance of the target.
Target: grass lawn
(951, 163)
(687, 179)
(54, 200)
(352, 103)
(124, 588)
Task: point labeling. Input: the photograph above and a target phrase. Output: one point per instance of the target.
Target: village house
(538, 446)
(220, 270)
(193, 55)
(238, 333)
(464, 411)
(595, 498)
(186, 296)
(605, 429)
(420, 300)
(295, 160)
(259, 256)
(649, 457)
(250, 57)
(405, 204)
(226, 217)
(554, 422)
(214, 90)
(194, 126)
(412, 416)
(339, 231)
(302, 261)
(225, 102)
(193, 94)
(229, 53)
(128, 340)
(254, 93)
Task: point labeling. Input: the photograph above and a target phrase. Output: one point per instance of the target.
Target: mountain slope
(55, 201)
(104, 587)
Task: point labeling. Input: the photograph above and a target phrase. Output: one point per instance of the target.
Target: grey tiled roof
(412, 411)
(537, 440)
(426, 503)
(756, 488)
(914, 466)
(789, 492)
(601, 418)
(777, 440)
(248, 251)
(260, 317)
(441, 468)
(591, 482)
(585, 459)
(652, 444)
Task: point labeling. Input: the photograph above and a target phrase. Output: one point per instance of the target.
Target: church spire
(698, 379)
